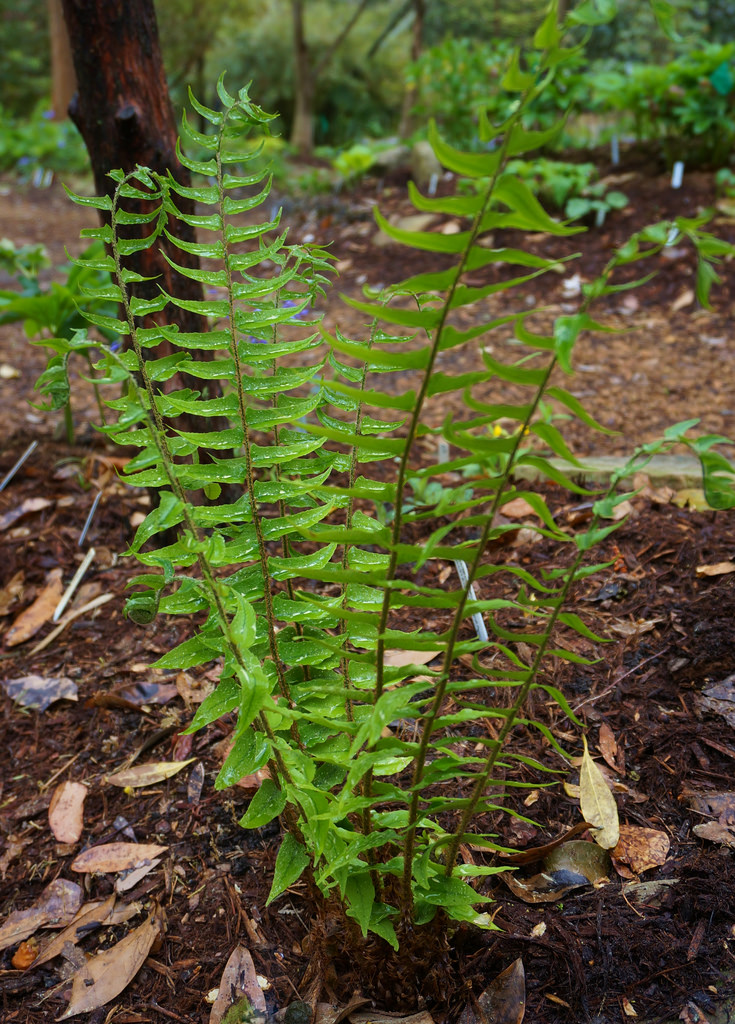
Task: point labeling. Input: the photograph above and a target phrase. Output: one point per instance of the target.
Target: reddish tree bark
(123, 112)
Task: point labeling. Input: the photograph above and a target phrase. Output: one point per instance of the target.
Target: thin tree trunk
(302, 129)
(417, 45)
(63, 79)
(306, 76)
(123, 111)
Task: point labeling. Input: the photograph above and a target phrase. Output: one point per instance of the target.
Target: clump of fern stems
(282, 550)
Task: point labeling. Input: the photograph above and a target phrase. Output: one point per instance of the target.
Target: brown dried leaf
(111, 857)
(36, 615)
(195, 783)
(685, 298)
(57, 905)
(95, 912)
(641, 848)
(29, 506)
(719, 699)
(636, 627)
(14, 846)
(720, 804)
(609, 747)
(376, 1017)
(716, 832)
(191, 690)
(691, 1014)
(25, 954)
(239, 980)
(11, 592)
(39, 692)
(518, 508)
(129, 879)
(399, 659)
(503, 1001)
(108, 973)
(147, 774)
(66, 811)
(718, 569)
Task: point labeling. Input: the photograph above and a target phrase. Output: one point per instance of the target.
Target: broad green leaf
(266, 805)
(291, 862)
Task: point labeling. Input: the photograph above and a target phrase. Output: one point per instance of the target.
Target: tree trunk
(417, 44)
(302, 129)
(63, 79)
(123, 111)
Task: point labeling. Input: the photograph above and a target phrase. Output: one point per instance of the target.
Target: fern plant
(299, 586)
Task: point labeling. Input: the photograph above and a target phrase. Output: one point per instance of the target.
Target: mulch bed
(599, 948)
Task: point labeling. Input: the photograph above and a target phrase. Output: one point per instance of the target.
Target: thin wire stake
(90, 517)
(67, 595)
(477, 620)
(11, 472)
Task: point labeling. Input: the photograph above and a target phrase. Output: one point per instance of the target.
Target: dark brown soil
(600, 952)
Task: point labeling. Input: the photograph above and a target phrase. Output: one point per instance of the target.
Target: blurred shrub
(688, 104)
(461, 78)
(569, 188)
(24, 67)
(37, 146)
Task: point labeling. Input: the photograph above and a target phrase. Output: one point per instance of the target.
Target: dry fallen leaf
(597, 802)
(718, 569)
(25, 954)
(691, 1014)
(628, 1008)
(36, 615)
(11, 592)
(57, 904)
(719, 699)
(97, 912)
(239, 979)
(195, 783)
(66, 811)
(147, 774)
(191, 690)
(376, 1017)
(685, 298)
(641, 848)
(399, 659)
(14, 846)
(716, 832)
(719, 804)
(609, 747)
(39, 692)
(129, 879)
(29, 506)
(108, 973)
(112, 857)
(504, 999)
(518, 508)
(691, 497)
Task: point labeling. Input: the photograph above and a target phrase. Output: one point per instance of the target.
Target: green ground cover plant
(37, 147)
(568, 188)
(686, 105)
(272, 535)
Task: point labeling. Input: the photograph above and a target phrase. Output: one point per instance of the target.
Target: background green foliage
(661, 93)
(24, 66)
